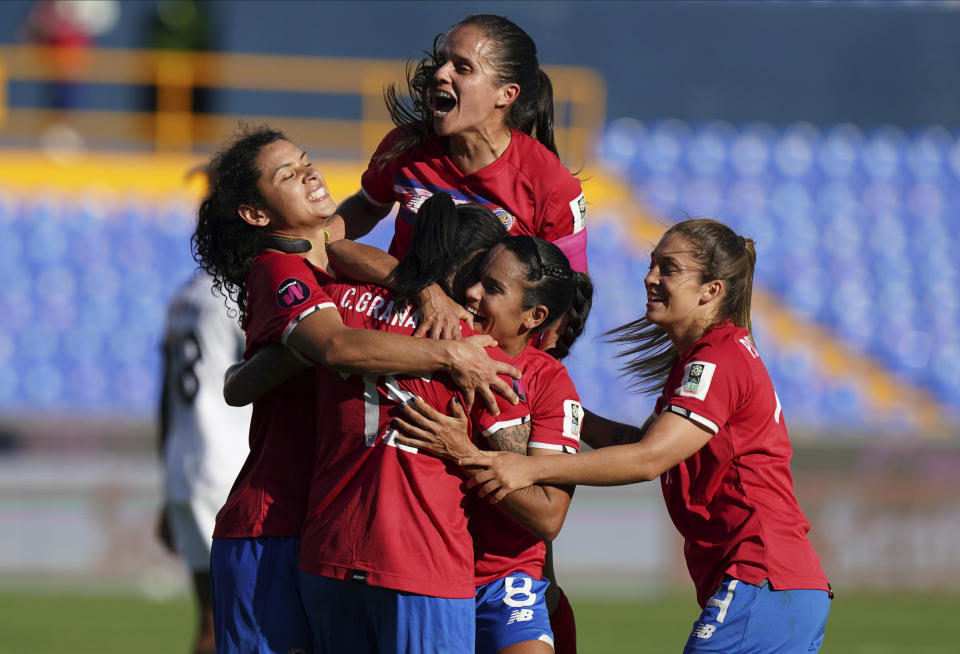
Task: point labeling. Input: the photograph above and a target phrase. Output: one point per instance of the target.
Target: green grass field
(859, 624)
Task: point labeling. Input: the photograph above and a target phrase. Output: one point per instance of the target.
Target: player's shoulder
(535, 160)
(723, 340)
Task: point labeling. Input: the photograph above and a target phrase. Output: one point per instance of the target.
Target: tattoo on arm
(512, 439)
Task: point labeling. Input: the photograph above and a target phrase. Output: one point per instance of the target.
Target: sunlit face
(674, 291)
(466, 95)
(496, 299)
(294, 192)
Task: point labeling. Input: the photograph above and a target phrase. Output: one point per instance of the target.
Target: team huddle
(415, 437)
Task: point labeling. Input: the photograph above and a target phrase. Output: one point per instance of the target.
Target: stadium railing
(579, 93)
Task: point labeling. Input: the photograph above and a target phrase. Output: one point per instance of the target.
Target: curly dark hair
(514, 58)
(224, 244)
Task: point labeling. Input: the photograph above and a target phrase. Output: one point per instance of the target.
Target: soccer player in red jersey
(525, 284)
(719, 444)
(479, 127)
(478, 102)
(266, 208)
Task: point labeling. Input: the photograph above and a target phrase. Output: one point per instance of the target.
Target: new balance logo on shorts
(704, 630)
(520, 615)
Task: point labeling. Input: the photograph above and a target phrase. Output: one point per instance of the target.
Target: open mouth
(443, 103)
(477, 318)
(319, 193)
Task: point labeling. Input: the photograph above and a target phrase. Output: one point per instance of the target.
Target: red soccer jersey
(733, 500)
(269, 497)
(526, 187)
(380, 512)
(501, 544)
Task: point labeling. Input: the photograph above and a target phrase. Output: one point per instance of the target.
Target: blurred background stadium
(828, 132)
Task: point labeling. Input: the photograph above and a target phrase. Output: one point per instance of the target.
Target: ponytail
(544, 120)
(576, 317)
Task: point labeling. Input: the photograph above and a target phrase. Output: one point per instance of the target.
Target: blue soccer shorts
(741, 618)
(350, 616)
(256, 597)
(511, 610)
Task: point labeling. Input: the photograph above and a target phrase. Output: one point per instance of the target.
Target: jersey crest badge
(578, 207)
(506, 219)
(292, 292)
(696, 379)
(572, 419)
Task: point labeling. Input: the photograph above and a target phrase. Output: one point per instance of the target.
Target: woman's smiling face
(294, 191)
(496, 300)
(673, 284)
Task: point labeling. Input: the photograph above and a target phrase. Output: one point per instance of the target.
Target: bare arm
(322, 337)
(360, 215)
(440, 316)
(599, 432)
(272, 365)
(360, 261)
(670, 440)
(541, 509)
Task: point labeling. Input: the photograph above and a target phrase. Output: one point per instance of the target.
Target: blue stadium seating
(852, 226)
(853, 232)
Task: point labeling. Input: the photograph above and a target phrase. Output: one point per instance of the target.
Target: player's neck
(311, 245)
(512, 347)
(473, 151)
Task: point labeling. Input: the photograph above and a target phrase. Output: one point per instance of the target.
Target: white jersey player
(203, 441)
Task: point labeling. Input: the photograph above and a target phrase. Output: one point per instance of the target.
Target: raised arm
(272, 365)
(440, 316)
(322, 337)
(670, 440)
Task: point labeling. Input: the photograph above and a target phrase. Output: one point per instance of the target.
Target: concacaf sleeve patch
(696, 379)
(572, 419)
(578, 207)
(292, 292)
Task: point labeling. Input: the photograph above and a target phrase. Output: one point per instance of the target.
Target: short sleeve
(555, 413)
(376, 183)
(708, 389)
(564, 217)
(511, 415)
(282, 289)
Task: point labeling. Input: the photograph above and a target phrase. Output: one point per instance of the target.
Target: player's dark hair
(722, 255)
(514, 58)
(445, 235)
(552, 283)
(223, 243)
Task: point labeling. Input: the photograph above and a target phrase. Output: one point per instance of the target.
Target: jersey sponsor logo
(704, 631)
(292, 292)
(697, 376)
(520, 615)
(505, 217)
(578, 207)
(572, 419)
